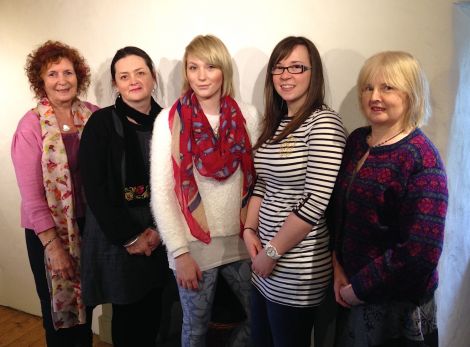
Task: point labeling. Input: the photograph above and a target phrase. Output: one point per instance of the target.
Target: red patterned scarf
(68, 309)
(194, 142)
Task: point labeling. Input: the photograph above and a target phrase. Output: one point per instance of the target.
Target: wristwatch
(271, 251)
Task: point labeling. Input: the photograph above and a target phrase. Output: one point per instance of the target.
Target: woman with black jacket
(123, 261)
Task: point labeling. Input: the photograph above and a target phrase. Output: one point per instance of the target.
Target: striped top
(297, 175)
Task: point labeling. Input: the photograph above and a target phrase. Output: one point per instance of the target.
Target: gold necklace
(287, 146)
(369, 137)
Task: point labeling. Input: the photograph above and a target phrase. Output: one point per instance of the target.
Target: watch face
(270, 252)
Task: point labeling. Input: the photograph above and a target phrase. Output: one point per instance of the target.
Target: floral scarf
(67, 307)
(194, 143)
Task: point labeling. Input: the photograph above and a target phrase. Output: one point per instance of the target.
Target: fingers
(190, 284)
(63, 268)
(145, 245)
(198, 274)
(340, 300)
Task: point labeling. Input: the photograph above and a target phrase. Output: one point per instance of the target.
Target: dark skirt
(111, 275)
(401, 324)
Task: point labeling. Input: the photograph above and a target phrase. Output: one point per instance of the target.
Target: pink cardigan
(26, 153)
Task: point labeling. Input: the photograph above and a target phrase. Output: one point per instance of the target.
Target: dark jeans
(137, 324)
(77, 336)
(280, 325)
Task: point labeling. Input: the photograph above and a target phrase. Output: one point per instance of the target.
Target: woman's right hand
(145, 244)
(188, 273)
(60, 260)
(252, 243)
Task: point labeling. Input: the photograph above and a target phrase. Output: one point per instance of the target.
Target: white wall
(345, 31)
(455, 265)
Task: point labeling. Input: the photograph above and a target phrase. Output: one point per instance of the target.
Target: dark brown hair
(131, 50)
(275, 107)
(51, 52)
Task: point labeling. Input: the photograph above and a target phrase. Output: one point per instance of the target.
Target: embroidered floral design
(137, 192)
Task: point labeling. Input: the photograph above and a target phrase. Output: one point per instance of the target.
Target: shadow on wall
(341, 68)
(104, 90)
(258, 90)
(351, 113)
(438, 124)
(170, 73)
(250, 64)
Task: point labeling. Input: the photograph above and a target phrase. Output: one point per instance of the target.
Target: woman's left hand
(348, 295)
(263, 265)
(145, 244)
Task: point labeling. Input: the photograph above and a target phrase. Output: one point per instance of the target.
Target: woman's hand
(145, 244)
(153, 238)
(263, 265)
(340, 281)
(188, 273)
(60, 260)
(348, 295)
(252, 243)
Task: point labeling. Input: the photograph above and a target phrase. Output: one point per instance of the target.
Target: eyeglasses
(293, 69)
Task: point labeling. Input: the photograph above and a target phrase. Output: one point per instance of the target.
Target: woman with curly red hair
(45, 156)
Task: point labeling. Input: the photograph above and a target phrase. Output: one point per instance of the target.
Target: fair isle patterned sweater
(391, 223)
(298, 175)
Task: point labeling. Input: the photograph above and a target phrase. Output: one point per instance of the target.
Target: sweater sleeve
(408, 268)
(326, 141)
(26, 153)
(95, 156)
(165, 207)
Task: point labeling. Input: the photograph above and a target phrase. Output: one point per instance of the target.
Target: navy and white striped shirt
(297, 175)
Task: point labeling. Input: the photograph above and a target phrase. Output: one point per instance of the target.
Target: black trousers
(77, 336)
(137, 324)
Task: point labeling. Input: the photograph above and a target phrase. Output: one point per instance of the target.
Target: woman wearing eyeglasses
(298, 157)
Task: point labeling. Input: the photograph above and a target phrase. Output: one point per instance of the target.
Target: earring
(116, 93)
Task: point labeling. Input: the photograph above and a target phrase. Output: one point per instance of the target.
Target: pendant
(65, 127)
(287, 146)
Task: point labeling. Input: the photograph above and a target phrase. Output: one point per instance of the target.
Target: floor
(19, 329)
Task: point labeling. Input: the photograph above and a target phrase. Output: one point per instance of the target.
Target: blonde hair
(403, 72)
(211, 50)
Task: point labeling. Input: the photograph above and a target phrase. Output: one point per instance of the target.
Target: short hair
(211, 50)
(131, 50)
(403, 72)
(274, 106)
(52, 52)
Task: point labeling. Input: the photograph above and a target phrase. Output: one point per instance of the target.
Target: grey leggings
(197, 305)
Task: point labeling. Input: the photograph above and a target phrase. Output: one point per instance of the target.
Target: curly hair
(51, 52)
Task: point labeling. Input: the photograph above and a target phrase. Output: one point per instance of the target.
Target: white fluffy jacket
(221, 200)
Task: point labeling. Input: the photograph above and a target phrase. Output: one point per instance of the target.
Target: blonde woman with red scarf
(201, 175)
